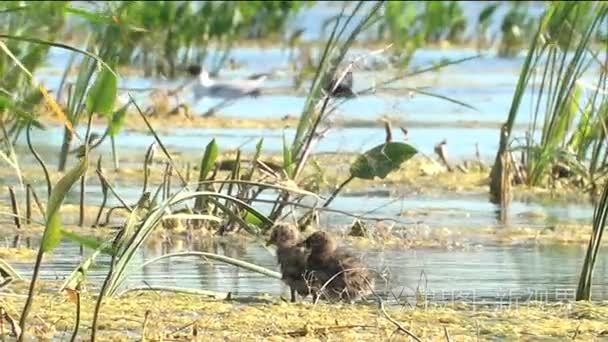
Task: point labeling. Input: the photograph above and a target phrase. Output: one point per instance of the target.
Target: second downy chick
(336, 274)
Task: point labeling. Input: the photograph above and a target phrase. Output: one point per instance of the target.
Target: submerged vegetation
(229, 193)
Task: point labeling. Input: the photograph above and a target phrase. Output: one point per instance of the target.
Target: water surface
(480, 274)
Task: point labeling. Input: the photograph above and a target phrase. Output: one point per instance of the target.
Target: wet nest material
(166, 316)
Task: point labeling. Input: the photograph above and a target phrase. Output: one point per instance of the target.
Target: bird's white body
(204, 86)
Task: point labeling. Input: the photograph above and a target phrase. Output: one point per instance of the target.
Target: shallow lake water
(460, 211)
(192, 141)
(479, 272)
(487, 273)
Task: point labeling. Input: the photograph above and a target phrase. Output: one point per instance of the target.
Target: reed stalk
(28, 203)
(14, 207)
(600, 215)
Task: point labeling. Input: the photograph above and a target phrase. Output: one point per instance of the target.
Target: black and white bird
(344, 89)
(204, 86)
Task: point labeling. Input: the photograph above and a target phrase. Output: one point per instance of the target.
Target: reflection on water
(489, 272)
(459, 211)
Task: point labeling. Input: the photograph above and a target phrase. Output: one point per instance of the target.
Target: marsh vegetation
(413, 149)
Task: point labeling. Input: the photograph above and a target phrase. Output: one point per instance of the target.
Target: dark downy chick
(346, 276)
(291, 258)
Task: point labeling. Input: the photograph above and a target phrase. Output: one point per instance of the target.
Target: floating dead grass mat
(378, 236)
(419, 176)
(467, 238)
(170, 317)
(17, 253)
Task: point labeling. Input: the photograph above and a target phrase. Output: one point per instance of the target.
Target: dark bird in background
(194, 69)
(388, 130)
(441, 151)
(344, 88)
(291, 258)
(345, 276)
(404, 131)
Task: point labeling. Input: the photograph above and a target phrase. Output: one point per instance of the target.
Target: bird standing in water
(291, 258)
(204, 86)
(336, 274)
(343, 89)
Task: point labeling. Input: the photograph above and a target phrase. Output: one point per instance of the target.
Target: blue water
(535, 273)
(191, 141)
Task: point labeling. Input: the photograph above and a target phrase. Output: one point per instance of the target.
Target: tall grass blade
(443, 97)
(45, 170)
(52, 233)
(313, 94)
(7, 270)
(160, 143)
(286, 186)
(256, 158)
(234, 216)
(11, 158)
(221, 258)
(88, 242)
(50, 100)
(583, 291)
(79, 272)
(288, 165)
(208, 160)
(151, 221)
(207, 164)
(61, 46)
(526, 72)
(121, 239)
